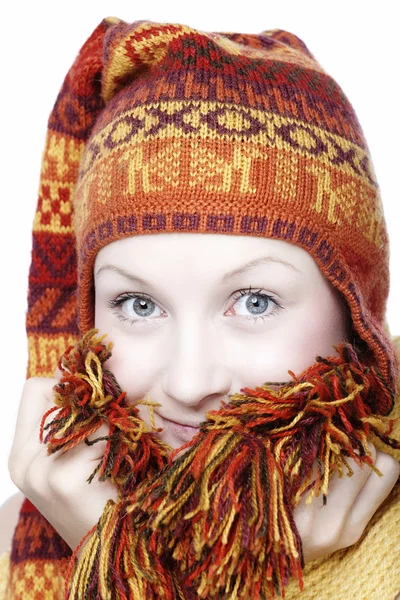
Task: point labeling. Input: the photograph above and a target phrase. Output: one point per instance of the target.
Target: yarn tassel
(215, 518)
(86, 397)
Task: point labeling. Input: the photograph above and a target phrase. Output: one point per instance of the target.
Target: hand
(351, 502)
(57, 484)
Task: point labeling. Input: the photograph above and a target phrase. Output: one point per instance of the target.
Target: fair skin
(193, 351)
(199, 344)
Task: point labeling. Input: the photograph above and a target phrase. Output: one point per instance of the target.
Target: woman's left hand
(57, 484)
(351, 503)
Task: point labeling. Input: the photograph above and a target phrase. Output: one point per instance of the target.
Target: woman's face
(188, 331)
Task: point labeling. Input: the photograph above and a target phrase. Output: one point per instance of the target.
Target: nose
(197, 375)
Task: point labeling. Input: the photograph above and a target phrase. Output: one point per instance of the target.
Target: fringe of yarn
(86, 397)
(217, 520)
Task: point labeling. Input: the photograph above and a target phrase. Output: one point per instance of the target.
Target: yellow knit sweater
(368, 570)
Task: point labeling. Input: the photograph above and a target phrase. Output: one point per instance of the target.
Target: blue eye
(142, 307)
(258, 305)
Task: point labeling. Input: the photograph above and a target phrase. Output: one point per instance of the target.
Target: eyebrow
(227, 277)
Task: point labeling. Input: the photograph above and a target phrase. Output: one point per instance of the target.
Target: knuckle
(15, 474)
(33, 477)
(373, 450)
(388, 462)
(352, 536)
(20, 474)
(327, 538)
(15, 469)
(59, 483)
(390, 469)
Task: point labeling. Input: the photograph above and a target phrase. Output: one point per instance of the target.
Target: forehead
(197, 265)
(213, 252)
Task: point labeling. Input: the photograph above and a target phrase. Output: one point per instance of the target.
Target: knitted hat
(179, 130)
(162, 128)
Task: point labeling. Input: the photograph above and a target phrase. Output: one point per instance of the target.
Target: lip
(182, 431)
(191, 425)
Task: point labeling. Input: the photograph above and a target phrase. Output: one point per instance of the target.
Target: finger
(93, 451)
(26, 446)
(303, 513)
(81, 460)
(97, 449)
(36, 399)
(343, 491)
(80, 455)
(374, 492)
(58, 374)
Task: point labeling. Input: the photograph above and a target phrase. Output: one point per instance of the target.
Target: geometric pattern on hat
(179, 130)
(236, 135)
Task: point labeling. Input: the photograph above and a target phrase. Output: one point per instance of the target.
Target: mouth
(181, 431)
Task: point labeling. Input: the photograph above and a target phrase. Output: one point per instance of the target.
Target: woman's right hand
(351, 503)
(57, 484)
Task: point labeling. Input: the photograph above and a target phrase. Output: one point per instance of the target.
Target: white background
(355, 41)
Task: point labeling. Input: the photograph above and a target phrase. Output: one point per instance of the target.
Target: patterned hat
(162, 128)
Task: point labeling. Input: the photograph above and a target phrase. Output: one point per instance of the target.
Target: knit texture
(211, 133)
(218, 520)
(368, 570)
(236, 135)
(4, 572)
(163, 128)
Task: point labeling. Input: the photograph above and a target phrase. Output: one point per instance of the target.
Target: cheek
(315, 336)
(292, 343)
(131, 361)
(132, 368)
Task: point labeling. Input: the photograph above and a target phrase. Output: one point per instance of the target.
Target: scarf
(214, 518)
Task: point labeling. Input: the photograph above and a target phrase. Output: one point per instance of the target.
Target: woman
(247, 142)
